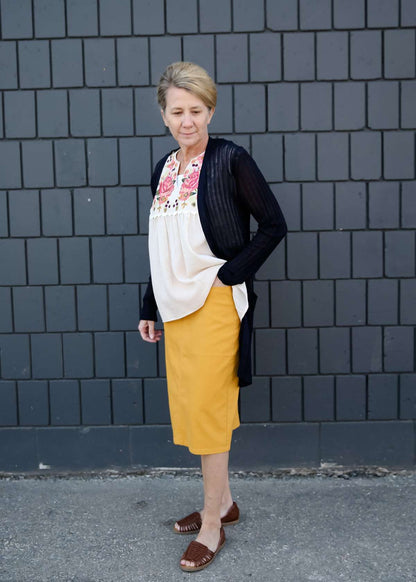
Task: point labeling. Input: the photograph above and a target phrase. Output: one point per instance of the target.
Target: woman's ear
(211, 113)
(163, 117)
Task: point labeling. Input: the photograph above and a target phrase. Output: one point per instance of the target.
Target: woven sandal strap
(198, 553)
(191, 522)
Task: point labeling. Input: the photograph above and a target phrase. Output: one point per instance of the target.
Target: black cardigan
(230, 189)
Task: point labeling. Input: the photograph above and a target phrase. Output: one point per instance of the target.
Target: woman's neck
(186, 154)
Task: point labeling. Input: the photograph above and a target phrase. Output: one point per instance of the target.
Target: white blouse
(182, 266)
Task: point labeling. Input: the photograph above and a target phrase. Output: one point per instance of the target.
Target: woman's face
(187, 117)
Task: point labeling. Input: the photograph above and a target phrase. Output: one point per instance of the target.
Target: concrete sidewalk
(293, 529)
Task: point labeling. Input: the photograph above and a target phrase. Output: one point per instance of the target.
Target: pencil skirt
(201, 352)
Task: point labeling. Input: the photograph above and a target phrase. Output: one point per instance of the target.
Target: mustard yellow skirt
(201, 367)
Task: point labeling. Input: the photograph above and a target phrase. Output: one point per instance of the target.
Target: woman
(202, 264)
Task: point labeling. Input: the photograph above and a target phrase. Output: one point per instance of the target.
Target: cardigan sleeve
(256, 196)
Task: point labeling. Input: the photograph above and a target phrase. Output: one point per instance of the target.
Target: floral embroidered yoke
(183, 267)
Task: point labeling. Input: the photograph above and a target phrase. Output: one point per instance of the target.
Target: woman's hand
(148, 332)
(218, 283)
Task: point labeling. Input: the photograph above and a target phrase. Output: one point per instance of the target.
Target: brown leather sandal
(192, 522)
(200, 555)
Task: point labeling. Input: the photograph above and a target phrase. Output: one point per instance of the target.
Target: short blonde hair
(189, 76)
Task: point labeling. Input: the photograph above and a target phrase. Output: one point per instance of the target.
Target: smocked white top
(182, 266)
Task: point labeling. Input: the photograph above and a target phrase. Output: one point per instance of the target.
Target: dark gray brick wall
(322, 94)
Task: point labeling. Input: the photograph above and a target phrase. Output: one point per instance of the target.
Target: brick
(84, 112)
(334, 350)
(67, 63)
(149, 17)
(232, 60)
(365, 54)
(283, 107)
(121, 210)
(282, 14)
(148, 119)
(60, 308)
(298, 56)
(349, 105)
(334, 255)
(400, 254)
(203, 46)
(42, 261)
(134, 161)
(74, 260)
(4, 230)
(109, 354)
(19, 114)
(214, 16)
(382, 397)
(302, 255)
(288, 195)
(99, 62)
(366, 155)
(16, 19)
(127, 401)
(10, 165)
(408, 205)
(82, 17)
(382, 13)
(92, 307)
(407, 302)
(270, 352)
(315, 14)
(37, 164)
(159, 48)
(367, 252)
(5, 310)
(95, 402)
(117, 111)
(28, 309)
(222, 122)
(408, 97)
(333, 157)
(383, 104)
(181, 16)
(70, 162)
(350, 301)
(33, 403)
(141, 356)
(248, 15)
(46, 355)
(156, 402)
(34, 66)
(399, 153)
(262, 312)
(407, 396)
(78, 355)
(24, 213)
(64, 401)
(366, 349)
(102, 162)
(399, 349)
(318, 398)
(49, 18)
(12, 260)
(123, 307)
(408, 13)
(8, 409)
(133, 61)
(317, 206)
(115, 17)
(350, 206)
(302, 351)
(136, 259)
(286, 399)
(286, 304)
(332, 55)
(384, 205)
(300, 157)
(89, 211)
(316, 106)
(255, 401)
(250, 108)
(318, 303)
(347, 15)
(350, 398)
(107, 260)
(52, 113)
(268, 154)
(14, 356)
(382, 302)
(8, 65)
(399, 54)
(145, 200)
(56, 212)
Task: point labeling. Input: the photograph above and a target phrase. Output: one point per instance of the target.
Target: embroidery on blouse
(163, 202)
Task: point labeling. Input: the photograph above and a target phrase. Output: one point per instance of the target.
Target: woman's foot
(192, 522)
(209, 536)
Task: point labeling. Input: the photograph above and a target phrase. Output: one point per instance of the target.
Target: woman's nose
(187, 120)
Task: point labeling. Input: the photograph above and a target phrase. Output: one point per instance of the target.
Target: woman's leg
(217, 499)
